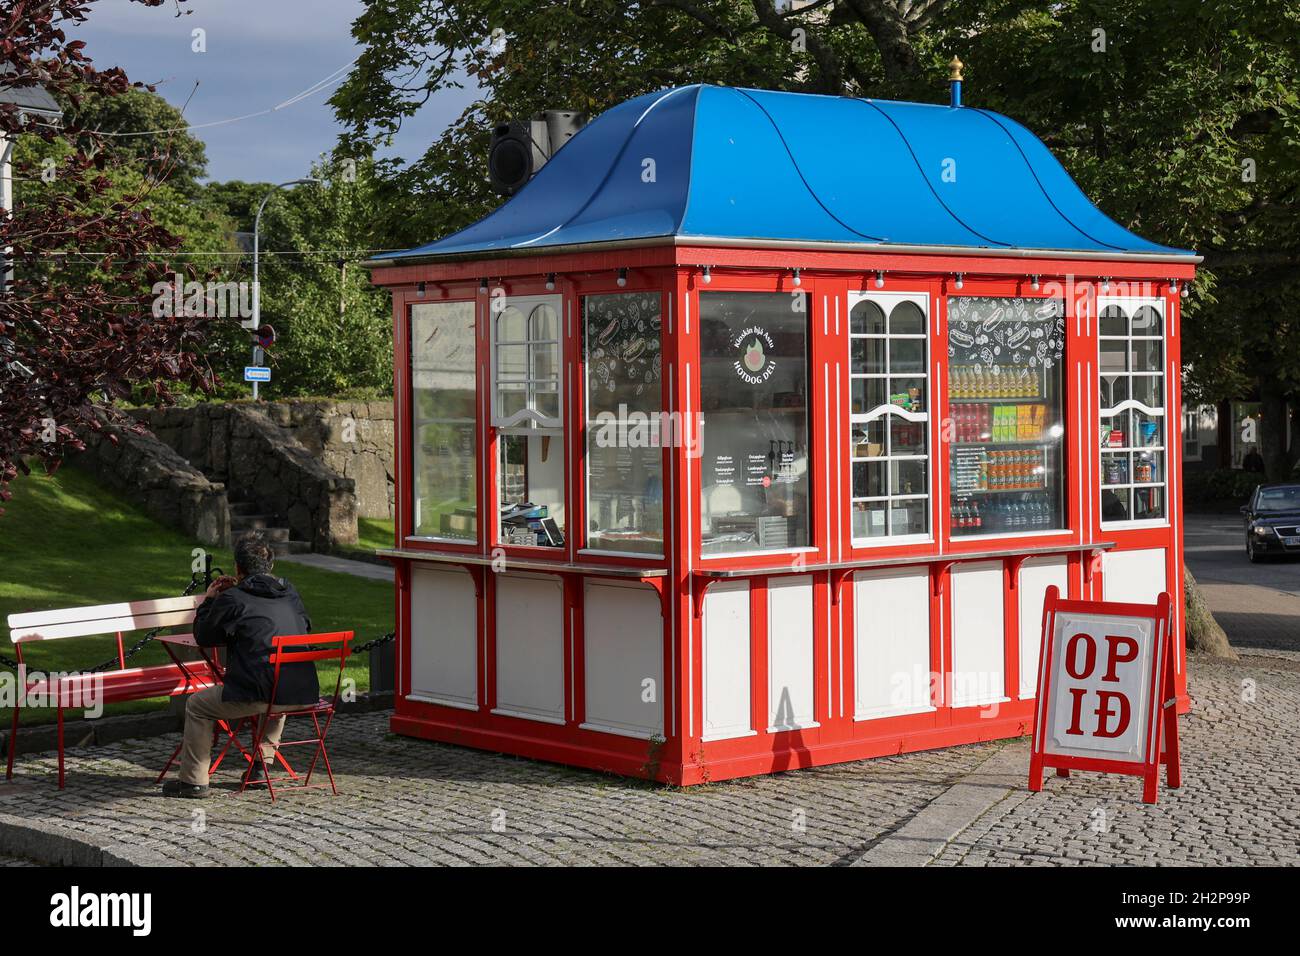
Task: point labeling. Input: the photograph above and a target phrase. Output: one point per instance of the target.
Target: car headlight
(1262, 530)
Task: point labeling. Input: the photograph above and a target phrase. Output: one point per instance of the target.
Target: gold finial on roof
(957, 65)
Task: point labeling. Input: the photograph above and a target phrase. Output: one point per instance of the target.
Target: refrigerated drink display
(1007, 433)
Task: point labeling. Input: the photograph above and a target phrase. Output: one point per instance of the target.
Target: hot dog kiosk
(749, 435)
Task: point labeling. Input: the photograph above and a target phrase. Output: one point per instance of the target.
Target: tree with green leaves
(334, 328)
(1177, 117)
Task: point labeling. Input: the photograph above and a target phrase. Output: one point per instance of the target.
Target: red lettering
(1076, 710)
(1113, 657)
(1071, 655)
(1104, 713)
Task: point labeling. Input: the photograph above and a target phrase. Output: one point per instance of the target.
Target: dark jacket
(244, 618)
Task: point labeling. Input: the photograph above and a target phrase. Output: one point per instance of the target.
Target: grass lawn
(374, 533)
(67, 541)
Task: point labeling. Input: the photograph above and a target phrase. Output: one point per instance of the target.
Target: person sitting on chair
(243, 614)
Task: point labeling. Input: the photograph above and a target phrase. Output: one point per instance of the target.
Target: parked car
(1273, 520)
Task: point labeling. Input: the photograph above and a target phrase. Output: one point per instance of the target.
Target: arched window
(1131, 389)
(889, 416)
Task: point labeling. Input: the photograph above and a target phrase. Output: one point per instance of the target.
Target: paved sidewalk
(332, 562)
(413, 802)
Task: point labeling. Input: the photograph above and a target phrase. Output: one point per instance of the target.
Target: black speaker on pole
(522, 147)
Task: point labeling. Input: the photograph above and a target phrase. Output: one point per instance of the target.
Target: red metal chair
(296, 649)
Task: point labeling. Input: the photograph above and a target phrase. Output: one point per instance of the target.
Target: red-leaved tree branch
(77, 329)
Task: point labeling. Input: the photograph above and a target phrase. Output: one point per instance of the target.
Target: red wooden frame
(1160, 737)
(827, 277)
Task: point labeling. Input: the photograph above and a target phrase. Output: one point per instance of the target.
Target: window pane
(621, 343)
(906, 355)
(444, 481)
(1146, 321)
(1148, 467)
(868, 355)
(1147, 429)
(754, 440)
(869, 519)
(908, 517)
(511, 401)
(1114, 321)
(906, 318)
(908, 393)
(868, 395)
(1149, 390)
(545, 324)
(1114, 389)
(531, 483)
(867, 319)
(907, 478)
(1146, 355)
(444, 473)
(1148, 504)
(869, 479)
(546, 361)
(1005, 383)
(1114, 468)
(511, 326)
(1115, 504)
(869, 438)
(512, 363)
(906, 438)
(1114, 356)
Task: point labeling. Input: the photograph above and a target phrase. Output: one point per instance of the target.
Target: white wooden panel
(978, 633)
(530, 647)
(623, 640)
(790, 653)
(1036, 576)
(726, 661)
(1133, 577)
(444, 636)
(891, 630)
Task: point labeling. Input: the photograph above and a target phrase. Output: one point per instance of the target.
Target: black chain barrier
(134, 649)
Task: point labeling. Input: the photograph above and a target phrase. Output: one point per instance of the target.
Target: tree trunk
(1203, 632)
(1273, 429)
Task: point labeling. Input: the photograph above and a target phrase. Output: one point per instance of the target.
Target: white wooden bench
(82, 690)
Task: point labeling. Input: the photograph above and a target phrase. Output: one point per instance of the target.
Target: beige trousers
(202, 711)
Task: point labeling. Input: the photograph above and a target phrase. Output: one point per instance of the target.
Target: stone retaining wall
(264, 463)
(158, 479)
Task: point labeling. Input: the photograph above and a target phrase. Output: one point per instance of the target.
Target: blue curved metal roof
(708, 162)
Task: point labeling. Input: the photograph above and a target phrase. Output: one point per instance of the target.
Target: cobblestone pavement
(414, 802)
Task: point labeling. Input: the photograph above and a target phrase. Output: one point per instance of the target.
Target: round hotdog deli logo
(754, 345)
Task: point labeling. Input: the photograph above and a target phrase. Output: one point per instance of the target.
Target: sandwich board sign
(1106, 699)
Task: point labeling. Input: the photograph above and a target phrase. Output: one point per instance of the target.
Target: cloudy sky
(260, 53)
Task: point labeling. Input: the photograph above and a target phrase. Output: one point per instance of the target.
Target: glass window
(621, 352)
(889, 415)
(443, 461)
(754, 438)
(527, 414)
(1005, 384)
(1132, 394)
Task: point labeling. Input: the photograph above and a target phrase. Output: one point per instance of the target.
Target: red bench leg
(13, 743)
(60, 745)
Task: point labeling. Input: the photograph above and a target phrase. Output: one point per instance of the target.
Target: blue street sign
(254, 373)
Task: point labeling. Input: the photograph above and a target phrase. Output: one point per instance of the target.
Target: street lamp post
(256, 321)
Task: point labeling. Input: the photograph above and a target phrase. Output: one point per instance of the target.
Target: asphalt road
(1215, 549)
(1258, 605)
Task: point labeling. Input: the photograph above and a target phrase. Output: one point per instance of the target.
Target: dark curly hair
(253, 554)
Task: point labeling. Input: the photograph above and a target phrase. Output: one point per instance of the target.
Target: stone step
(290, 546)
(249, 522)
